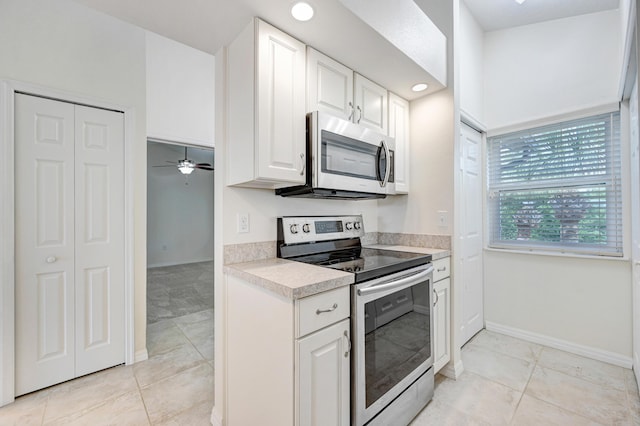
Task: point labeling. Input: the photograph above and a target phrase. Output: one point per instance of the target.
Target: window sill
(556, 254)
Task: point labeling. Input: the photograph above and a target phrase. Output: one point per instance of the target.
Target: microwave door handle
(387, 169)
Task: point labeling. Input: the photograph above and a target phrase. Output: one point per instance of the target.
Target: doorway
(180, 244)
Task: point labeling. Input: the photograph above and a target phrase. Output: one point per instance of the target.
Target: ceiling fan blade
(204, 164)
(171, 162)
(204, 167)
(173, 165)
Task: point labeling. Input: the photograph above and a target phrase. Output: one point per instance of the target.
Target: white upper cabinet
(266, 108)
(399, 130)
(180, 92)
(370, 103)
(330, 85)
(336, 89)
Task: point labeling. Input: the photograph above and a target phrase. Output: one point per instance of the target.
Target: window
(557, 187)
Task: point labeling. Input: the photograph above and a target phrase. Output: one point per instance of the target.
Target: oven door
(350, 157)
(393, 334)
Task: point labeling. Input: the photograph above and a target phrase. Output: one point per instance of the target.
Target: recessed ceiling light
(302, 11)
(419, 87)
(520, 1)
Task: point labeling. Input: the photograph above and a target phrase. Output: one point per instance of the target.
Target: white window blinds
(557, 187)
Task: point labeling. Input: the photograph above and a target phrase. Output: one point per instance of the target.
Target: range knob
(293, 228)
(349, 226)
(305, 228)
(356, 225)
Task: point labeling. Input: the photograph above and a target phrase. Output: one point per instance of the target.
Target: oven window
(349, 157)
(397, 338)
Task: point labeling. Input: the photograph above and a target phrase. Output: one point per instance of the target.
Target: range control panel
(320, 228)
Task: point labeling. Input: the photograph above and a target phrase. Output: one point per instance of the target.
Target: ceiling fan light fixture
(520, 1)
(186, 167)
(302, 11)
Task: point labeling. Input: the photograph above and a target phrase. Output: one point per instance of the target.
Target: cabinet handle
(360, 114)
(351, 114)
(346, 336)
(437, 297)
(444, 268)
(304, 164)
(331, 309)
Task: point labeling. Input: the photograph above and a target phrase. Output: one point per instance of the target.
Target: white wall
(62, 45)
(431, 172)
(536, 72)
(179, 208)
(180, 92)
(542, 70)
(583, 302)
(471, 65)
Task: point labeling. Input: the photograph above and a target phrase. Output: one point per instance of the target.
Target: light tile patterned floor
(512, 382)
(173, 387)
(506, 382)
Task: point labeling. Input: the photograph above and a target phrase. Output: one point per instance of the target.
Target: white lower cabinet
(323, 376)
(441, 313)
(287, 361)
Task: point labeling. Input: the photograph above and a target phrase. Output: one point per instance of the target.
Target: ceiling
(208, 25)
(499, 14)
(334, 30)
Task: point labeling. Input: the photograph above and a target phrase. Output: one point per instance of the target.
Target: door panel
(45, 334)
(69, 241)
(99, 239)
(470, 273)
(635, 227)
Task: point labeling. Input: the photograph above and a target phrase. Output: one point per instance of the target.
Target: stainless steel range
(391, 315)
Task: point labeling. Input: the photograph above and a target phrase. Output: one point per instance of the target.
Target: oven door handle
(390, 285)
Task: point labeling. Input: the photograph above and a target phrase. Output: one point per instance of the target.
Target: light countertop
(295, 280)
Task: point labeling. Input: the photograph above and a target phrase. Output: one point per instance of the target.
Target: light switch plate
(443, 218)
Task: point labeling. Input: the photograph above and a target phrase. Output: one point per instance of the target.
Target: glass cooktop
(367, 263)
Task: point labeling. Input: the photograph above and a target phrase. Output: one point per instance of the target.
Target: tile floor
(508, 381)
(174, 291)
(173, 387)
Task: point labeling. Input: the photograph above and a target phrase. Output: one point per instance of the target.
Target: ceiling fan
(187, 166)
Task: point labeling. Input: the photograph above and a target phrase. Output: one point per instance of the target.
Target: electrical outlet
(443, 218)
(243, 223)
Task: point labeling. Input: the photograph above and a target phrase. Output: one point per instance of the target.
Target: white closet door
(44, 226)
(99, 239)
(69, 241)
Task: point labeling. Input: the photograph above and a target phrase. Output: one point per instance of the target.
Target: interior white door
(634, 123)
(44, 235)
(469, 273)
(99, 239)
(69, 241)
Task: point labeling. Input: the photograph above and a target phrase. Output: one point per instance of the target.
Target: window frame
(611, 182)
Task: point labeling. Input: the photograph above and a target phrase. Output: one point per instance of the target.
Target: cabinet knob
(51, 259)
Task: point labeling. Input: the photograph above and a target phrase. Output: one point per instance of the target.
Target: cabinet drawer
(320, 310)
(441, 268)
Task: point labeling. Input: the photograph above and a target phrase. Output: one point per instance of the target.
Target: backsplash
(415, 240)
(239, 253)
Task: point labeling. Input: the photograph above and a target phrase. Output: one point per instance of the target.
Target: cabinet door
(329, 85)
(441, 324)
(280, 104)
(371, 104)
(323, 377)
(399, 130)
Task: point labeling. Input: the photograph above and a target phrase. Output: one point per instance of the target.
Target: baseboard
(452, 370)
(563, 345)
(187, 262)
(216, 419)
(141, 355)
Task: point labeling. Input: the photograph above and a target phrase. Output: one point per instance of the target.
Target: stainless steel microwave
(345, 161)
